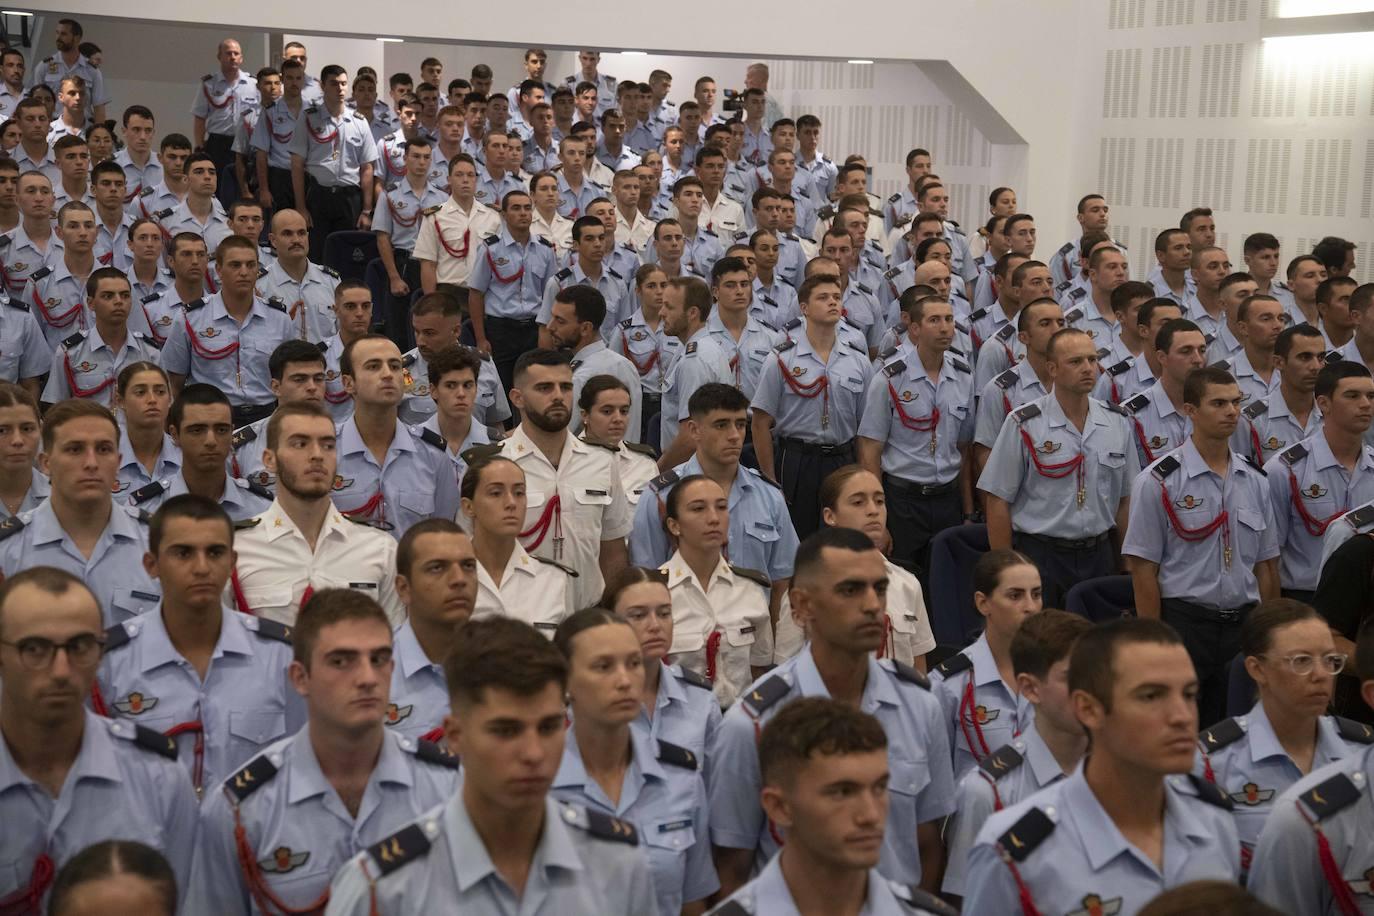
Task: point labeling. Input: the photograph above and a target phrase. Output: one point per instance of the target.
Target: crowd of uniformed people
(589, 559)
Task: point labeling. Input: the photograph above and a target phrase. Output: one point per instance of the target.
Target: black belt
(924, 490)
(243, 414)
(519, 322)
(338, 188)
(815, 448)
(1225, 615)
(1087, 543)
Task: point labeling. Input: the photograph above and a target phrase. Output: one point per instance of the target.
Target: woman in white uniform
(605, 406)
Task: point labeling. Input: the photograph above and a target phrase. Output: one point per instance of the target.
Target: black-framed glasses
(1303, 664)
(36, 653)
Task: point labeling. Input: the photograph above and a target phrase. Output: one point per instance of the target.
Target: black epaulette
(567, 569)
(329, 270)
(115, 637)
(272, 629)
(1351, 730)
(430, 437)
(4, 242)
(1068, 247)
(677, 756)
(193, 305)
(664, 480)
(405, 845)
(978, 315)
(146, 492)
(1006, 379)
(151, 298)
(731, 908)
(146, 192)
(1026, 412)
(258, 489)
(894, 369)
(922, 900)
(1026, 834)
(826, 212)
(322, 345)
(1249, 459)
(1227, 731)
(1072, 316)
(1165, 466)
(1077, 293)
(163, 213)
(1255, 409)
(155, 741)
(435, 753)
(626, 324)
(689, 349)
(910, 675)
(605, 827)
(74, 340)
(276, 303)
(688, 676)
(408, 360)
(599, 444)
(564, 274)
(491, 239)
(1114, 408)
(40, 273)
(858, 347)
(1210, 792)
(1293, 454)
(480, 452)
(1137, 403)
(15, 302)
(1120, 367)
(1001, 761)
(960, 365)
(1005, 332)
(753, 575)
(612, 272)
(430, 211)
(251, 778)
(895, 197)
(1359, 517)
(863, 289)
(891, 272)
(1335, 794)
(888, 354)
(204, 79)
(1063, 286)
(545, 240)
(641, 449)
(1332, 356)
(955, 664)
(244, 524)
(146, 339)
(1222, 364)
(764, 695)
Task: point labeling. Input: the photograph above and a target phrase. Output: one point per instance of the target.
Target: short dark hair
(589, 305)
(116, 857)
(405, 551)
(1197, 212)
(1044, 639)
(810, 284)
(727, 265)
(1198, 380)
(1361, 297)
(540, 356)
(714, 396)
(1331, 251)
(501, 652)
(346, 358)
(987, 572)
(1284, 345)
(1162, 240)
(1258, 627)
(586, 399)
(583, 223)
(104, 273)
(1243, 310)
(186, 505)
(438, 302)
(327, 607)
(285, 411)
(695, 294)
(589, 618)
(293, 351)
(1164, 340)
(1260, 241)
(1146, 313)
(126, 375)
(912, 154)
(1092, 662)
(453, 359)
(197, 393)
(811, 726)
(1297, 262)
(1329, 378)
(1326, 290)
(809, 555)
(1128, 292)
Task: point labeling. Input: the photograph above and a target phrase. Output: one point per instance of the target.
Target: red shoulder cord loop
(267, 901)
(1116, 392)
(491, 262)
(391, 169)
(927, 424)
(996, 796)
(372, 908)
(337, 397)
(552, 517)
(374, 508)
(321, 139)
(642, 368)
(966, 705)
(1144, 446)
(734, 367)
(57, 321)
(152, 328)
(712, 654)
(398, 219)
(462, 251)
(887, 637)
(27, 901)
(1207, 772)
(1028, 907)
(1255, 441)
(203, 351)
(820, 386)
(1315, 526)
(1055, 471)
(1006, 402)
(194, 727)
(76, 390)
(1202, 532)
(1342, 896)
(210, 99)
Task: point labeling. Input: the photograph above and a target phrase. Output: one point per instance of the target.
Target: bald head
(289, 236)
(931, 271)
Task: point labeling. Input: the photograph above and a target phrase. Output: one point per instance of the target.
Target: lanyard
(928, 424)
(459, 253)
(79, 392)
(210, 99)
(58, 321)
(513, 278)
(403, 221)
(26, 900)
(552, 517)
(809, 390)
(1202, 532)
(642, 368)
(1057, 471)
(1315, 526)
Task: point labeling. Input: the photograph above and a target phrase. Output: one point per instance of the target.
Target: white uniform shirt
(449, 238)
(276, 564)
(637, 467)
(538, 592)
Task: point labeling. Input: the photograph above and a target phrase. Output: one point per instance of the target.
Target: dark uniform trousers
(509, 337)
(1212, 639)
(332, 209)
(915, 514)
(1064, 563)
(219, 148)
(801, 467)
(396, 324)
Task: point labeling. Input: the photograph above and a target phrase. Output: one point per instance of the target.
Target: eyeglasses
(36, 653)
(1303, 664)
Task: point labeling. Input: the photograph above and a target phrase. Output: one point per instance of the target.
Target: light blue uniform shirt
(1252, 386)
(611, 285)
(114, 572)
(1158, 425)
(1224, 346)
(747, 355)
(775, 303)
(242, 373)
(596, 359)
(980, 720)
(1197, 571)
(401, 210)
(702, 361)
(418, 404)
(24, 351)
(39, 488)
(686, 713)
(761, 535)
(1357, 521)
(512, 276)
(1268, 427)
(651, 351)
(86, 367)
(1250, 765)
(664, 796)
(221, 101)
(1325, 491)
(133, 475)
(584, 863)
(237, 499)
(273, 132)
(1286, 872)
(214, 230)
(998, 354)
(902, 386)
(477, 435)
(137, 178)
(118, 788)
(1013, 772)
(769, 895)
(1086, 861)
(1016, 386)
(419, 694)
(833, 416)
(309, 300)
(1124, 379)
(245, 702)
(416, 480)
(21, 258)
(297, 825)
(921, 786)
(1048, 505)
(492, 191)
(1101, 326)
(573, 203)
(334, 149)
(57, 301)
(249, 442)
(986, 321)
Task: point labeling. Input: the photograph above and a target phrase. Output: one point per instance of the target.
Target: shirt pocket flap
(256, 725)
(419, 502)
(675, 833)
(740, 634)
(763, 531)
(907, 777)
(131, 602)
(903, 620)
(1112, 459)
(269, 596)
(534, 497)
(592, 496)
(1250, 519)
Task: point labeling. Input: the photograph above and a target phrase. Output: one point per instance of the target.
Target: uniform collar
(472, 862)
(1323, 458)
(590, 350)
(984, 665)
(1054, 414)
(524, 445)
(308, 780)
(1078, 801)
(572, 773)
(351, 441)
(678, 572)
(47, 529)
(276, 524)
(1039, 757)
(741, 483)
(771, 886)
(1028, 377)
(878, 688)
(277, 274)
(669, 691)
(170, 453)
(410, 655)
(96, 759)
(1195, 466)
(1278, 408)
(215, 308)
(183, 211)
(157, 648)
(95, 342)
(1160, 399)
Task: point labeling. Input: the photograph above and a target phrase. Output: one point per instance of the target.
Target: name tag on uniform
(675, 825)
(144, 596)
(744, 630)
(546, 626)
(1116, 454)
(363, 585)
(598, 493)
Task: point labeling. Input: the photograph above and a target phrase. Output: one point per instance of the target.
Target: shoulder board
(863, 289)
(1165, 466)
(626, 324)
(1331, 796)
(826, 212)
(163, 213)
(1208, 338)
(1256, 465)
(40, 273)
(1005, 332)
(598, 444)
(249, 779)
(1006, 379)
(1224, 364)
(276, 303)
(146, 192)
(1351, 730)
(258, 489)
(115, 637)
(1063, 286)
(677, 756)
(786, 344)
(1073, 315)
(272, 629)
(204, 79)
(1026, 834)
(567, 569)
(544, 240)
(1137, 403)
(1026, 412)
(910, 675)
(1357, 518)
(477, 452)
(245, 523)
(1120, 367)
(895, 368)
(192, 306)
(1113, 408)
(1077, 293)
(1255, 409)
(328, 270)
(664, 480)
(978, 315)
(435, 753)
(146, 492)
(955, 664)
(767, 693)
(923, 901)
(1333, 356)
(605, 827)
(642, 449)
(155, 741)
(491, 238)
(323, 346)
(1001, 761)
(151, 298)
(1227, 731)
(430, 437)
(74, 340)
(405, 845)
(887, 354)
(692, 678)
(430, 211)
(1293, 454)
(1210, 792)
(613, 273)
(753, 575)
(960, 365)
(895, 197)
(760, 478)
(1067, 247)
(858, 347)
(731, 908)
(690, 349)
(891, 272)
(564, 274)
(408, 360)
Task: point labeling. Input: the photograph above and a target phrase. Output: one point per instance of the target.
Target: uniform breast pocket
(417, 503)
(535, 499)
(668, 841)
(763, 531)
(130, 602)
(906, 779)
(756, 357)
(591, 501)
(1248, 533)
(268, 597)
(257, 727)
